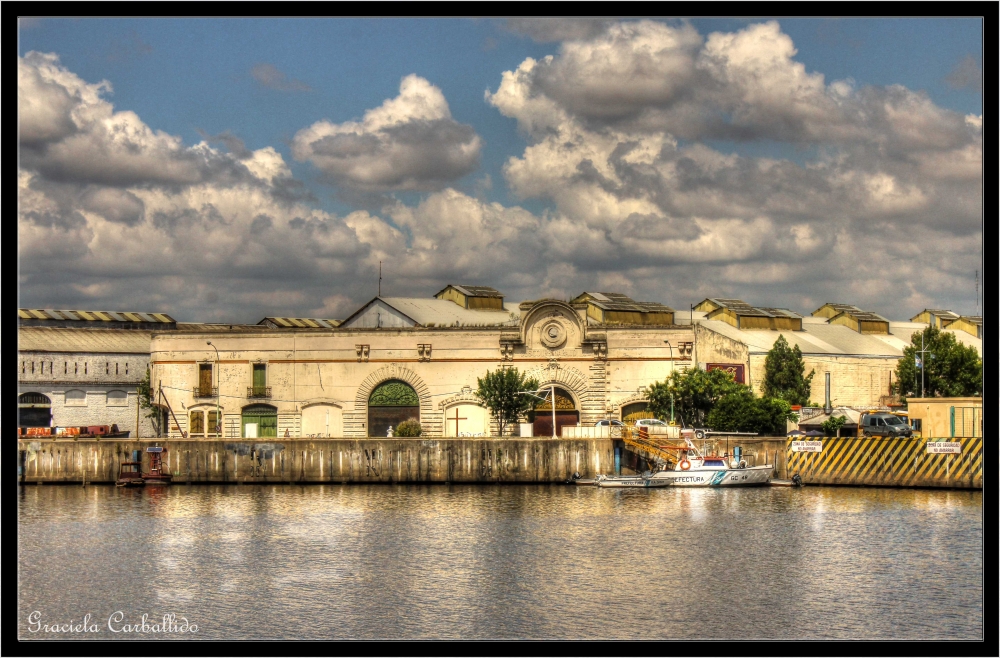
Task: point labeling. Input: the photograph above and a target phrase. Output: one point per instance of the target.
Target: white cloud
(410, 142)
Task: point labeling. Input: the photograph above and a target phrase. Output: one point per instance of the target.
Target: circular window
(553, 334)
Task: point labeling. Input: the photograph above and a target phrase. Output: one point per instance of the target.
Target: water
(545, 561)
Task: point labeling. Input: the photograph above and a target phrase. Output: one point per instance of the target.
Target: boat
(129, 475)
(641, 481)
(156, 474)
(696, 470)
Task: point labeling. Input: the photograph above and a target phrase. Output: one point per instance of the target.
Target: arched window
(34, 410)
(391, 403)
(117, 399)
(565, 414)
(636, 411)
(76, 398)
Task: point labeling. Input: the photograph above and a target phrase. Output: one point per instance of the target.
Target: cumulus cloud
(410, 142)
(231, 239)
(967, 74)
(545, 30)
(268, 75)
(116, 214)
(615, 122)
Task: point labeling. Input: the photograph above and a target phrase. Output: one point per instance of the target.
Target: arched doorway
(322, 419)
(259, 421)
(34, 410)
(566, 413)
(391, 403)
(635, 411)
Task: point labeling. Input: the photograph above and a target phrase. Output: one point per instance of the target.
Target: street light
(218, 415)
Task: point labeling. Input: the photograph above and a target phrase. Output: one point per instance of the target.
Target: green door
(262, 419)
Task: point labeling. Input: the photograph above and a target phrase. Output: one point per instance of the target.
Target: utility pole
(380, 278)
(923, 362)
(554, 412)
(218, 386)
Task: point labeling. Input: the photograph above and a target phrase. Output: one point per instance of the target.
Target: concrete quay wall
(321, 460)
(885, 462)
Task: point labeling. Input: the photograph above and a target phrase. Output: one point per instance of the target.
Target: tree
(694, 394)
(831, 426)
(145, 391)
(742, 411)
(784, 374)
(408, 428)
(499, 392)
(951, 369)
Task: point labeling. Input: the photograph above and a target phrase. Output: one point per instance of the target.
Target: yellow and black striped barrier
(954, 463)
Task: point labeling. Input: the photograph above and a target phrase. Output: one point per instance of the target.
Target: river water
(514, 561)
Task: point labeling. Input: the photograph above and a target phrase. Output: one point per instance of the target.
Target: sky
(224, 170)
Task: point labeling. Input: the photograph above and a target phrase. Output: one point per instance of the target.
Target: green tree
(784, 374)
(951, 369)
(741, 411)
(831, 426)
(694, 394)
(498, 391)
(145, 391)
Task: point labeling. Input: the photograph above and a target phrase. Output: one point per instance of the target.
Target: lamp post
(923, 362)
(218, 415)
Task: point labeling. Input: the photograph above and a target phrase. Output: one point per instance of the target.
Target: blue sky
(266, 81)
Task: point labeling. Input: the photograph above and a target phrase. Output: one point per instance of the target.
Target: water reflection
(332, 561)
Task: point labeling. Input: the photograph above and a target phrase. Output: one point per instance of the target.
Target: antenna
(977, 292)
(380, 278)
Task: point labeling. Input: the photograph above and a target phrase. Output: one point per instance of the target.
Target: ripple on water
(412, 561)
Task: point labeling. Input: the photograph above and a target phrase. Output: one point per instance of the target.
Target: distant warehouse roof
(27, 317)
(386, 312)
(74, 340)
(301, 323)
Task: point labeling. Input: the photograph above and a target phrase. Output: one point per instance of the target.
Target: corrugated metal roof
(99, 341)
(477, 291)
(616, 301)
(655, 307)
(864, 316)
(93, 316)
(815, 338)
(839, 308)
(304, 323)
(853, 417)
(445, 313)
(779, 312)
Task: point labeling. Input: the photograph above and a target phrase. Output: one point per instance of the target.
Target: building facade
(859, 349)
(401, 358)
(71, 377)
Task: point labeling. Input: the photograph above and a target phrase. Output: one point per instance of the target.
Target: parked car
(883, 424)
(649, 422)
(605, 422)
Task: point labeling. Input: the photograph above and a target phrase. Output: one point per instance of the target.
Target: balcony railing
(206, 392)
(258, 392)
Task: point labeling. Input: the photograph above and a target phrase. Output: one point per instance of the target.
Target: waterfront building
(946, 417)
(398, 358)
(860, 349)
(82, 368)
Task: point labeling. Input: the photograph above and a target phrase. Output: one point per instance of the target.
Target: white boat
(696, 470)
(630, 481)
